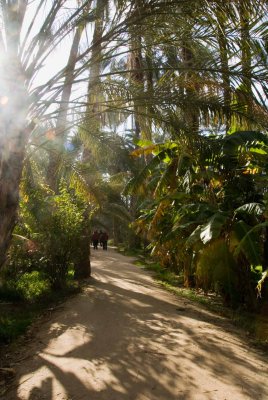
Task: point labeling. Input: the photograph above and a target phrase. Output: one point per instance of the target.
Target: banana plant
(217, 194)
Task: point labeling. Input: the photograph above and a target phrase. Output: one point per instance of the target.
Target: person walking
(95, 240)
(100, 238)
(104, 240)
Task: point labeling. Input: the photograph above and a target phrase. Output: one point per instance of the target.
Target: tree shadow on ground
(126, 339)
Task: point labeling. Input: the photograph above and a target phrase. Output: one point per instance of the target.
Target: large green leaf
(261, 281)
(208, 231)
(235, 143)
(119, 211)
(194, 237)
(251, 208)
(137, 181)
(249, 243)
(212, 229)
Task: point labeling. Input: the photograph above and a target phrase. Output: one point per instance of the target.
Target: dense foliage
(155, 129)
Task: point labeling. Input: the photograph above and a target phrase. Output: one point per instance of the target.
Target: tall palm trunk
(61, 124)
(223, 48)
(245, 46)
(93, 111)
(137, 80)
(82, 265)
(11, 164)
(191, 114)
(92, 119)
(191, 118)
(14, 127)
(137, 83)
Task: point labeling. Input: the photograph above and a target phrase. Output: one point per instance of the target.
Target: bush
(215, 271)
(12, 327)
(32, 285)
(48, 239)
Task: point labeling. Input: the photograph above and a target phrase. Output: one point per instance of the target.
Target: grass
(16, 314)
(12, 326)
(129, 252)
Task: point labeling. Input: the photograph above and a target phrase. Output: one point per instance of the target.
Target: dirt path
(125, 338)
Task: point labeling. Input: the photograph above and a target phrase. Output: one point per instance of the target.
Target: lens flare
(50, 135)
(3, 100)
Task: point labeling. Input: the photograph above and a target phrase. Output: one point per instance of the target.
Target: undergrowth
(18, 311)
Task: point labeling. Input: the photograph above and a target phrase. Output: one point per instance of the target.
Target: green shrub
(215, 271)
(48, 238)
(12, 327)
(32, 286)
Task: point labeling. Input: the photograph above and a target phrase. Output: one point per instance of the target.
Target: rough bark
(83, 266)
(61, 125)
(12, 154)
(137, 80)
(245, 92)
(223, 48)
(14, 128)
(93, 117)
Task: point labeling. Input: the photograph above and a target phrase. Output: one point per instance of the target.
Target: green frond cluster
(156, 129)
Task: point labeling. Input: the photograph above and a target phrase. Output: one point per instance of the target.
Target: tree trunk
(223, 47)
(83, 266)
(245, 48)
(189, 280)
(246, 289)
(10, 174)
(93, 112)
(14, 128)
(191, 114)
(137, 80)
(61, 125)
(92, 117)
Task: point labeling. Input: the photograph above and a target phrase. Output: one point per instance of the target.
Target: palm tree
(23, 55)
(203, 89)
(62, 118)
(27, 45)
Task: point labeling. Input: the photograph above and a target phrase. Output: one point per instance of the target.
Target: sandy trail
(125, 338)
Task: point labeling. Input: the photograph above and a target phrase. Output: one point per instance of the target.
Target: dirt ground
(125, 338)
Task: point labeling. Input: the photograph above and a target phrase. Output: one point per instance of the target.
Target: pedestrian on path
(104, 240)
(95, 240)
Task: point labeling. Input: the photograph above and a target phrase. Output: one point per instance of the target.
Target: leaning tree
(29, 35)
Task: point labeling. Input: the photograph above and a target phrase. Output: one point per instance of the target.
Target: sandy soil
(125, 338)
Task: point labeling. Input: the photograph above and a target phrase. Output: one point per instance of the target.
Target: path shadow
(127, 339)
